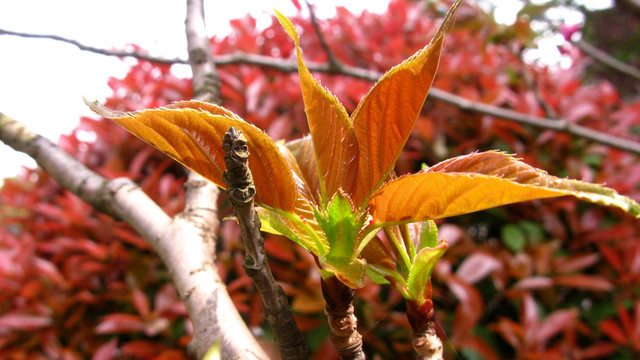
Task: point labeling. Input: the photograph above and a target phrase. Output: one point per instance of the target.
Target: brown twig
(117, 53)
(334, 64)
(607, 59)
(342, 322)
(241, 192)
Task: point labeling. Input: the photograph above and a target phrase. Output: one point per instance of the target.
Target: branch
(206, 81)
(334, 64)
(464, 104)
(201, 210)
(241, 192)
(88, 48)
(607, 59)
(342, 321)
(179, 243)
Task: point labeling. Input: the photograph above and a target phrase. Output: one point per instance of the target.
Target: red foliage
(548, 279)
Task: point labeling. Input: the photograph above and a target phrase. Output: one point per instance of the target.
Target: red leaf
(296, 4)
(533, 282)
(141, 302)
(106, 351)
(141, 349)
(120, 323)
(585, 282)
(576, 263)
(554, 324)
(24, 322)
(475, 267)
(612, 330)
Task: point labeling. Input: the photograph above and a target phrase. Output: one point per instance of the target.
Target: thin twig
(560, 125)
(241, 192)
(532, 84)
(334, 64)
(118, 53)
(607, 59)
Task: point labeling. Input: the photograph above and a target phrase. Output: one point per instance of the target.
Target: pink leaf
(475, 267)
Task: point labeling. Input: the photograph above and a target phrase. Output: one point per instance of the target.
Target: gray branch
(607, 59)
(179, 242)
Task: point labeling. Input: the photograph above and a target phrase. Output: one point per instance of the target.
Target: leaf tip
(288, 26)
(101, 110)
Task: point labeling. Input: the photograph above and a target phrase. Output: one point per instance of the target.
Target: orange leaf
(302, 151)
(333, 137)
(193, 137)
(475, 182)
(385, 117)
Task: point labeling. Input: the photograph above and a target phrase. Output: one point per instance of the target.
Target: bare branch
(206, 82)
(178, 242)
(88, 48)
(464, 104)
(607, 59)
(334, 64)
(467, 105)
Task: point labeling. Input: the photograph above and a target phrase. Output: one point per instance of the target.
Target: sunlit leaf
(276, 224)
(421, 269)
(385, 117)
(194, 138)
(333, 136)
(341, 226)
(428, 235)
(203, 106)
(479, 181)
(302, 150)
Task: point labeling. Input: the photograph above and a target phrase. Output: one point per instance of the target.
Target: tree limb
(560, 125)
(607, 59)
(206, 82)
(177, 241)
(83, 47)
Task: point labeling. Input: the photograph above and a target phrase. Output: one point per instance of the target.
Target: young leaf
(333, 137)
(385, 117)
(276, 224)
(194, 138)
(341, 227)
(420, 273)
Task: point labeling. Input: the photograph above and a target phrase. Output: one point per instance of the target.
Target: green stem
(400, 249)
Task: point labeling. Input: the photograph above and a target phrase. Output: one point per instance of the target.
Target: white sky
(42, 81)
